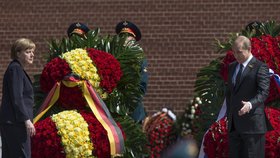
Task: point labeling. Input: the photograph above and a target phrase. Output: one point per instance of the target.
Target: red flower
(229, 58)
(98, 136)
(108, 67)
(54, 71)
(216, 138)
(47, 142)
(160, 134)
(71, 98)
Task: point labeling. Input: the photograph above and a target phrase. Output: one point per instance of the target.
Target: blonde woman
(16, 111)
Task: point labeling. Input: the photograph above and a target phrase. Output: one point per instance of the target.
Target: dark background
(177, 35)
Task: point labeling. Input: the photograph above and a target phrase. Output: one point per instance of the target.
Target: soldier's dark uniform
(77, 28)
(128, 27)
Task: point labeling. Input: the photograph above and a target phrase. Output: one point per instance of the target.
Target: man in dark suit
(248, 88)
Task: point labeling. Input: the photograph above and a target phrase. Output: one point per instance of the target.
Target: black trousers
(246, 145)
(15, 142)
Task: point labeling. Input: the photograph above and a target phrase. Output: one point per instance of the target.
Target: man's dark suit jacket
(253, 87)
(17, 95)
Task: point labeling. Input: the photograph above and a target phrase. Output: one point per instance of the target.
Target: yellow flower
(82, 65)
(74, 133)
(104, 95)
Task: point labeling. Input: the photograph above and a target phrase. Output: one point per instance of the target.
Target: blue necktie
(238, 76)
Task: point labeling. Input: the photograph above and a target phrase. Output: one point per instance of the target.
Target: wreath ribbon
(96, 105)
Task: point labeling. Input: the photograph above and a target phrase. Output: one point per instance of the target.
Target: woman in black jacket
(16, 112)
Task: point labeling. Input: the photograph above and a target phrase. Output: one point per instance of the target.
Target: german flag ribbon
(98, 108)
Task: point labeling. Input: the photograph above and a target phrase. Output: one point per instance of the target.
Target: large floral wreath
(87, 83)
(160, 131)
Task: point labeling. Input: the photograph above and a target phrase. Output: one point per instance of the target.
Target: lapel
(27, 76)
(245, 72)
(16, 61)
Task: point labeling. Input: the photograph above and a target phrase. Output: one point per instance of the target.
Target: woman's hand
(30, 128)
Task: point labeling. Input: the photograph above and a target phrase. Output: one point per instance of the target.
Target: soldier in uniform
(254, 28)
(77, 28)
(133, 35)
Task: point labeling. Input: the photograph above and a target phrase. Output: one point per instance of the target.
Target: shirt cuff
(250, 105)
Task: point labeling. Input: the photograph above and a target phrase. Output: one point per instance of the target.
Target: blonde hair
(21, 44)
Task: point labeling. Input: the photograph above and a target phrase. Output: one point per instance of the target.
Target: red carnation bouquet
(54, 71)
(159, 129)
(108, 68)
